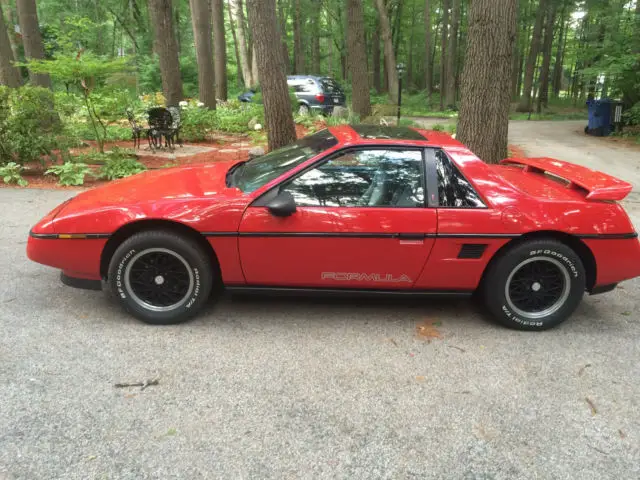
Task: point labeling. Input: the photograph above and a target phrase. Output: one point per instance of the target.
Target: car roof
(317, 78)
(391, 135)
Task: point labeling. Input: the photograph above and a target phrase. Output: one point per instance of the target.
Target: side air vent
(472, 250)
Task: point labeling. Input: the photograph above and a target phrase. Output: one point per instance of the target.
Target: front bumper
(76, 257)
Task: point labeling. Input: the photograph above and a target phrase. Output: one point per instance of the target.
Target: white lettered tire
(535, 285)
(160, 277)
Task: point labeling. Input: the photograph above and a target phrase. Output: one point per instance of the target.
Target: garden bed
(218, 148)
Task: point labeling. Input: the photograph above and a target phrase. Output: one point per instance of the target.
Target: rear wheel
(535, 285)
(304, 110)
(160, 277)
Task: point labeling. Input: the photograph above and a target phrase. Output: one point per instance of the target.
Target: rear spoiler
(599, 186)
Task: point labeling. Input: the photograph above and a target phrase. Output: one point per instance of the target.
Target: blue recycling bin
(600, 117)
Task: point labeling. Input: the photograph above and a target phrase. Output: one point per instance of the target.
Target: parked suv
(317, 94)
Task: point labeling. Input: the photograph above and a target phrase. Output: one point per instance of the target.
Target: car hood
(188, 182)
(190, 195)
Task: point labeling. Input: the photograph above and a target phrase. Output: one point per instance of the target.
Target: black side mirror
(282, 205)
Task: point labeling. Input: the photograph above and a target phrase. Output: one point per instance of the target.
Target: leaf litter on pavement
(427, 330)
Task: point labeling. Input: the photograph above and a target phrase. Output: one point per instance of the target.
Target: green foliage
(632, 115)
(83, 71)
(11, 173)
(197, 123)
(234, 117)
(149, 79)
(94, 157)
(29, 127)
(69, 173)
(121, 167)
(307, 121)
(438, 127)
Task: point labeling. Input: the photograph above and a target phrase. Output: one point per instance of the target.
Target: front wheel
(535, 285)
(160, 277)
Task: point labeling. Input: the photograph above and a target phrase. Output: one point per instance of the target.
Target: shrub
(29, 126)
(632, 115)
(196, 123)
(69, 173)
(233, 119)
(121, 167)
(12, 173)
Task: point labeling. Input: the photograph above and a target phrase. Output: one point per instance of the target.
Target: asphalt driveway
(276, 388)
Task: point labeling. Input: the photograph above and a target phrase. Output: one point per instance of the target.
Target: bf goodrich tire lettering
(161, 277)
(535, 285)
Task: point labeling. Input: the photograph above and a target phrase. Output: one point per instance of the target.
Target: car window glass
(255, 173)
(330, 86)
(454, 190)
(306, 88)
(363, 178)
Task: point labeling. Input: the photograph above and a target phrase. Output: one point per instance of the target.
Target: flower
(257, 126)
(183, 103)
(200, 104)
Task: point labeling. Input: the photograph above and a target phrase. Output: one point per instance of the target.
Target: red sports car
(362, 210)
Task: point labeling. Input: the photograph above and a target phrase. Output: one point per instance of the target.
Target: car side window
(454, 190)
(306, 88)
(363, 178)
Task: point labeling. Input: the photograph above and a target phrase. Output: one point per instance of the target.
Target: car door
(360, 222)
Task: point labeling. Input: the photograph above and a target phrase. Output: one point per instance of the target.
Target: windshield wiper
(229, 177)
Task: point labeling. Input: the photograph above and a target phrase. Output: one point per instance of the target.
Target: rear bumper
(616, 260)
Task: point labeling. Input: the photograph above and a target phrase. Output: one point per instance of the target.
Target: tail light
(320, 98)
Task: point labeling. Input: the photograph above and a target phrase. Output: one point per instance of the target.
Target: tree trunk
(410, 66)
(201, 21)
(219, 48)
(517, 55)
(525, 100)
(240, 80)
(167, 49)
(254, 66)
(12, 20)
(32, 39)
(375, 54)
(273, 78)
(357, 59)
(298, 50)
(485, 95)
(452, 50)
(428, 59)
(389, 56)
(558, 66)
(177, 29)
(238, 15)
(443, 51)
(543, 95)
(9, 75)
(396, 34)
(315, 41)
(282, 14)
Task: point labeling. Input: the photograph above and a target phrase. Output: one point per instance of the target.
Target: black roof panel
(380, 132)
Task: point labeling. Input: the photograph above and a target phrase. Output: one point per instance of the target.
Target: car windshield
(253, 174)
